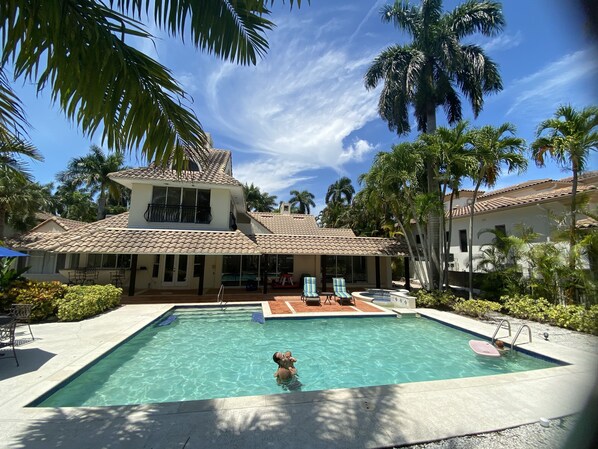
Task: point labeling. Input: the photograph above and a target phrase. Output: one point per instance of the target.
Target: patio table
(329, 296)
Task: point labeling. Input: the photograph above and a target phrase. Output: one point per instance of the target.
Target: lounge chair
(7, 338)
(309, 290)
(340, 291)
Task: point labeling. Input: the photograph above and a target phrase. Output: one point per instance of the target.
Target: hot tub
(389, 298)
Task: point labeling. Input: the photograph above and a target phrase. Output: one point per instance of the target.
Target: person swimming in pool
(500, 345)
(286, 374)
(286, 366)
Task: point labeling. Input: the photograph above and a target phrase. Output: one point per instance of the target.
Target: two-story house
(538, 204)
(190, 231)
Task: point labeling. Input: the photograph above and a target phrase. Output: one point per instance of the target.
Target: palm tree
(304, 199)
(258, 201)
(78, 50)
(340, 192)
(12, 151)
(450, 145)
(14, 176)
(568, 137)
(91, 171)
(73, 203)
(493, 148)
(429, 72)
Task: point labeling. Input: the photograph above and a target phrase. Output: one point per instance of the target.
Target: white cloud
(292, 111)
(503, 42)
(558, 82)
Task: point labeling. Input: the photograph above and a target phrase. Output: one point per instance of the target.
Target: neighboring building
(190, 230)
(536, 203)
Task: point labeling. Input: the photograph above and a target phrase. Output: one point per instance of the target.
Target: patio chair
(21, 313)
(7, 338)
(309, 290)
(340, 291)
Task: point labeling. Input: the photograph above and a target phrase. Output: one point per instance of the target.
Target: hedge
(476, 307)
(85, 301)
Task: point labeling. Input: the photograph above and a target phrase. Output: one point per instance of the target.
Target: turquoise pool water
(216, 353)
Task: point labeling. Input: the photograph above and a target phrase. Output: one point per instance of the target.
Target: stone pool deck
(347, 418)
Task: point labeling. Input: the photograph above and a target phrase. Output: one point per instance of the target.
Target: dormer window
(179, 205)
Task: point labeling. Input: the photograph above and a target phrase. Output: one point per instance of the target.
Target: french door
(175, 273)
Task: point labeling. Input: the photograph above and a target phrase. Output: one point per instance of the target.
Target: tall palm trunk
(433, 216)
(572, 293)
(470, 236)
(101, 205)
(424, 281)
(447, 246)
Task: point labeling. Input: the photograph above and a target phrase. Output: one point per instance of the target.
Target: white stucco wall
(141, 196)
(536, 216)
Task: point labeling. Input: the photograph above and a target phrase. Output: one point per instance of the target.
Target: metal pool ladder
(499, 327)
(220, 297)
(519, 331)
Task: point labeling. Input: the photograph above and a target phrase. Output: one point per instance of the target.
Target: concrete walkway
(348, 418)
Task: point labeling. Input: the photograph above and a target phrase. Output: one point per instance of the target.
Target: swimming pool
(208, 353)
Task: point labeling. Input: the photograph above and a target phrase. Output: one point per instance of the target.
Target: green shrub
(435, 300)
(526, 307)
(574, 317)
(476, 307)
(84, 301)
(41, 295)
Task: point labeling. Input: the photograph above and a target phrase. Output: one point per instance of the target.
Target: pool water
(221, 352)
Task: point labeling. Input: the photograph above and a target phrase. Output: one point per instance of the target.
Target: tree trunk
(101, 205)
(433, 216)
(572, 294)
(470, 236)
(423, 281)
(447, 247)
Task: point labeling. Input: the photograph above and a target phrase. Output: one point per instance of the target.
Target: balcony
(160, 213)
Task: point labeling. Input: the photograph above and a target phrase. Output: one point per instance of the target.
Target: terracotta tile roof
(294, 224)
(214, 172)
(64, 223)
(582, 177)
(494, 204)
(146, 241)
(320, 245)
(521, 185)
(341, 232)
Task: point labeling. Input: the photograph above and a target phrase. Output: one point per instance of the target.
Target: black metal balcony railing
(160, 213)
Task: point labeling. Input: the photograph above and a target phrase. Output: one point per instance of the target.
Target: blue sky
(301, 118)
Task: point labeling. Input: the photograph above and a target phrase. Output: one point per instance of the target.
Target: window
(352, 268)
(176, 204)
(41, 262)
(463, 240)
(231, 270)
(109, 261)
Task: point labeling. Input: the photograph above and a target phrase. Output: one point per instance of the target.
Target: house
(190, 231)
(536, 203)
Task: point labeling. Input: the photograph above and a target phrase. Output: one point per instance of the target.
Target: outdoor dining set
(19, 315)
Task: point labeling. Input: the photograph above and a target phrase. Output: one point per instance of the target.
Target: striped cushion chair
(309, 290)
(340, 291)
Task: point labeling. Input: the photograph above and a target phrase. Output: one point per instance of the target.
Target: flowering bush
(84, 301)
(41, 295)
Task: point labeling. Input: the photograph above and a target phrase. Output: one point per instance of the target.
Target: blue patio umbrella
(5, 252)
